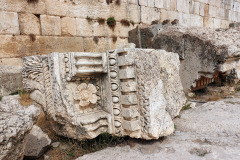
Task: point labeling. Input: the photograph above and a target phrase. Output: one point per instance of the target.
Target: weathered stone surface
(20, 46)
(10, 79)
(37, 143)
(84, 27)
(16, 122)
(11, 61)
(29, 24)
(203, 51)
(9, 23)
(127, 91)
(51, 25)
(69, 27)
(208, 131)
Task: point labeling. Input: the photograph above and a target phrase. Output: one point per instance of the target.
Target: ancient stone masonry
(130, 91)
(206, 55)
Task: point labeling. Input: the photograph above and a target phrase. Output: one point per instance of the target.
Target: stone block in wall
(69, 26)
(84, 27)
(119, 12)
(159, 3)
(112, 32)
(11, 61)
(29, 24)
(186, 20)
(143, 2)
(23, 6)
(208, 22)
(9, 23)
(10, 79)
(196, 6)
(51, 25)
(206, 10)
(119, 42)
(57, 8)
(196, 20)
(216, 23)
(99, 30)
(90, 45)
(201, 9)
(149, 14)
(123, 30)
(20, 46)
(150, 3)
(134, 13)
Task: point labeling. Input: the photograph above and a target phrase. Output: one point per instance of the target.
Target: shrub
(118, 2)
(101, 20)
(95, 39)
(111, 22)
(32, 1)
(167, 21)
(109, 1)
(89, 19)
(132, 22)
(114, 38)
(32, 37)
(125, 22)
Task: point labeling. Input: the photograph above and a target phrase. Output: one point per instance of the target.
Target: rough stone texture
(10, 79)
(37, 143)
(9, 23)
(20, 46)
(210, 131)
(68, 26)
(15, 124)
(29, 24)
(203, 51)
(51, 25)
(127, 91)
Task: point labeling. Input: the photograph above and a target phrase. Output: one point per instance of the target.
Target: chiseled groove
(86, 54)
(90, 70)
(94, 121)
(89, 63)
(93, 127)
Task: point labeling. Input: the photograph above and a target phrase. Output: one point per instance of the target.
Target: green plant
(187, 106)
(175, 126)
(18, 92)
(125, 22)
(111, 22)
(132, 22)
(0, 98)
(101, 20)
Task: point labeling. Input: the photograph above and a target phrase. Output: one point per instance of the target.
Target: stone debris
(210, 131)
(37, 143)
(16, 122)
(134, 92)
(10, 79)
(204, 53)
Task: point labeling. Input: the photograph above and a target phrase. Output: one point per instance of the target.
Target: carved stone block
(122, 92)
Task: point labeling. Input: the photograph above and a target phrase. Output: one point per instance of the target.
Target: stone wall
(31, 27)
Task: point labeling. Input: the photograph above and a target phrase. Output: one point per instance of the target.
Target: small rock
(55, 144)
(46, 157)
(191, 94)
(37, 143)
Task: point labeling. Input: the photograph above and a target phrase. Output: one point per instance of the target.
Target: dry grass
(32, 1)
(155, 22)
(114, 39)
(167, 21)
(101, 20)
(175, 22)
(118, 2)
(108, 1)
(32, 37)
(125, 22)
(96, 39)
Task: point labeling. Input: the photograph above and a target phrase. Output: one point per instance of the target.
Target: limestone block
(99, 30)
(123, 30)
(84, 27)
(151, 3)
(10, 79)
(16, 122)
(134, 13)
(201, 9)
(20, 46)
(217, 23)
(196, 21)
(69, 27)
(208, 22)
(12, 61)
(37, 143)
(51, 25)
(159, 3)
(9, 23)
(186, 19)
(180, 5)
(91, 46)
(131, 1)
(149, 14)
(119, 12)
(29, 24)
(119, 42)
(196, 7)
(137, 97)
(57, 8)
(143, 2)
(23, 6)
